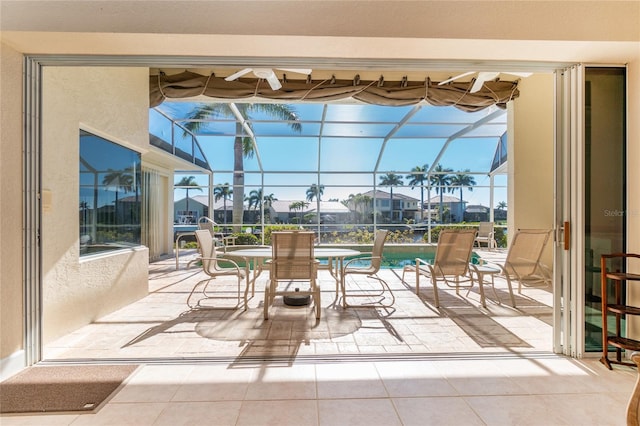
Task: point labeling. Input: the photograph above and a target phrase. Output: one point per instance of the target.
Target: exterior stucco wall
(113, 103)
(531, 183)
(11, 306)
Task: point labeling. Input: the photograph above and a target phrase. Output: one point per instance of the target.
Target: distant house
(404, 207)
(198, 207)
(452, 207)
(476, 213)
(331, 212)
(500, 214)
(480, 213)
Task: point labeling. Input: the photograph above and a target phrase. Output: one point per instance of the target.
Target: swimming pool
(397, 256)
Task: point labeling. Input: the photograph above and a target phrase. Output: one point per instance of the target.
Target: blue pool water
(396, 260)
(395, 256)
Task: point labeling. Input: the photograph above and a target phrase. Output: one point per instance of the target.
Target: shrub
(500, 234)
(269, 229)
(243, 239)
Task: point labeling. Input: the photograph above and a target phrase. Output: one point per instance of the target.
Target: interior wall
(11, 279)
(76, 292)
(531, 183)
(633, 182)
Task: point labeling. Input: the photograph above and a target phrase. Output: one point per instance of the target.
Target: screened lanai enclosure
(337, 168)
(341, 167)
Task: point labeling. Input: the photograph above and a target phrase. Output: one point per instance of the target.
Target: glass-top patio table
(335, 261)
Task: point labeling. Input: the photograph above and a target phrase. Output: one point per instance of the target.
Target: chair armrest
(422, 266)
(370, 258)
(223, 259)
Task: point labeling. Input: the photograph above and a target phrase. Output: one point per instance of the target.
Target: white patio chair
(523, 262)
(211, 266)
(371, 269)
(486, 235)
(219, 239)
(451, 262)
(292, 261)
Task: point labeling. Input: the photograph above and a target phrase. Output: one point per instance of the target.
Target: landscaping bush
(500, 233)
(243, 239)
(269, 229)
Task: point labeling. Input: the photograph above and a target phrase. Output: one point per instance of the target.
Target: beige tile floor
(412, 365)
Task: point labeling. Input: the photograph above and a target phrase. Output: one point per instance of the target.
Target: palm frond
(280, 111)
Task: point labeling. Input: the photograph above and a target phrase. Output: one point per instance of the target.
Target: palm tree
(363, 201)
(268, 200)
(391, 180)
(315, 191)
(299, 206)
(502, 205)
(255, 199)
(118, 180)
(462, 180)
(441, 180)
(188, 181)
(349, 203)
(242, 145)
(224, 192)
(418, 177)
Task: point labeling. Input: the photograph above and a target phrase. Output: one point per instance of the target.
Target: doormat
(61, 388)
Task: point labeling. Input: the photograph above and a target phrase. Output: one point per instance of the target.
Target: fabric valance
(378, 92)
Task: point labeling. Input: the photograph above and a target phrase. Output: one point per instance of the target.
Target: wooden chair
(211, 266)
(373, 263)
(292, 261)
(451, 262)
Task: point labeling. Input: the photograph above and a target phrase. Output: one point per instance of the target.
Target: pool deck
(408, 365)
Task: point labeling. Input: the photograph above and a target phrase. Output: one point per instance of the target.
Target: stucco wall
(113, 103)
(531, 184)
(11, 306)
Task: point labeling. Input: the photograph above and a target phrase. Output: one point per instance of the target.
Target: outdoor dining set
(293, 261)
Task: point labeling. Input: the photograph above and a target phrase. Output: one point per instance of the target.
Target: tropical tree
(315, 191)
(441, 179)
(255, 199)
(298, 206)
(243, 146)
(502, 205)
(463, 180)
(268, 201)
(118, 180)
(349, 203)
(418, 177)
(362, 202)
(189, 182)
(391, 180)
(224, 192)
(359, 203)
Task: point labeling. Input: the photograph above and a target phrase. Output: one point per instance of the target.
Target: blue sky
(353, 137)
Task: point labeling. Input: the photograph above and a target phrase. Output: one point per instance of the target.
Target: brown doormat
(61, 388)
